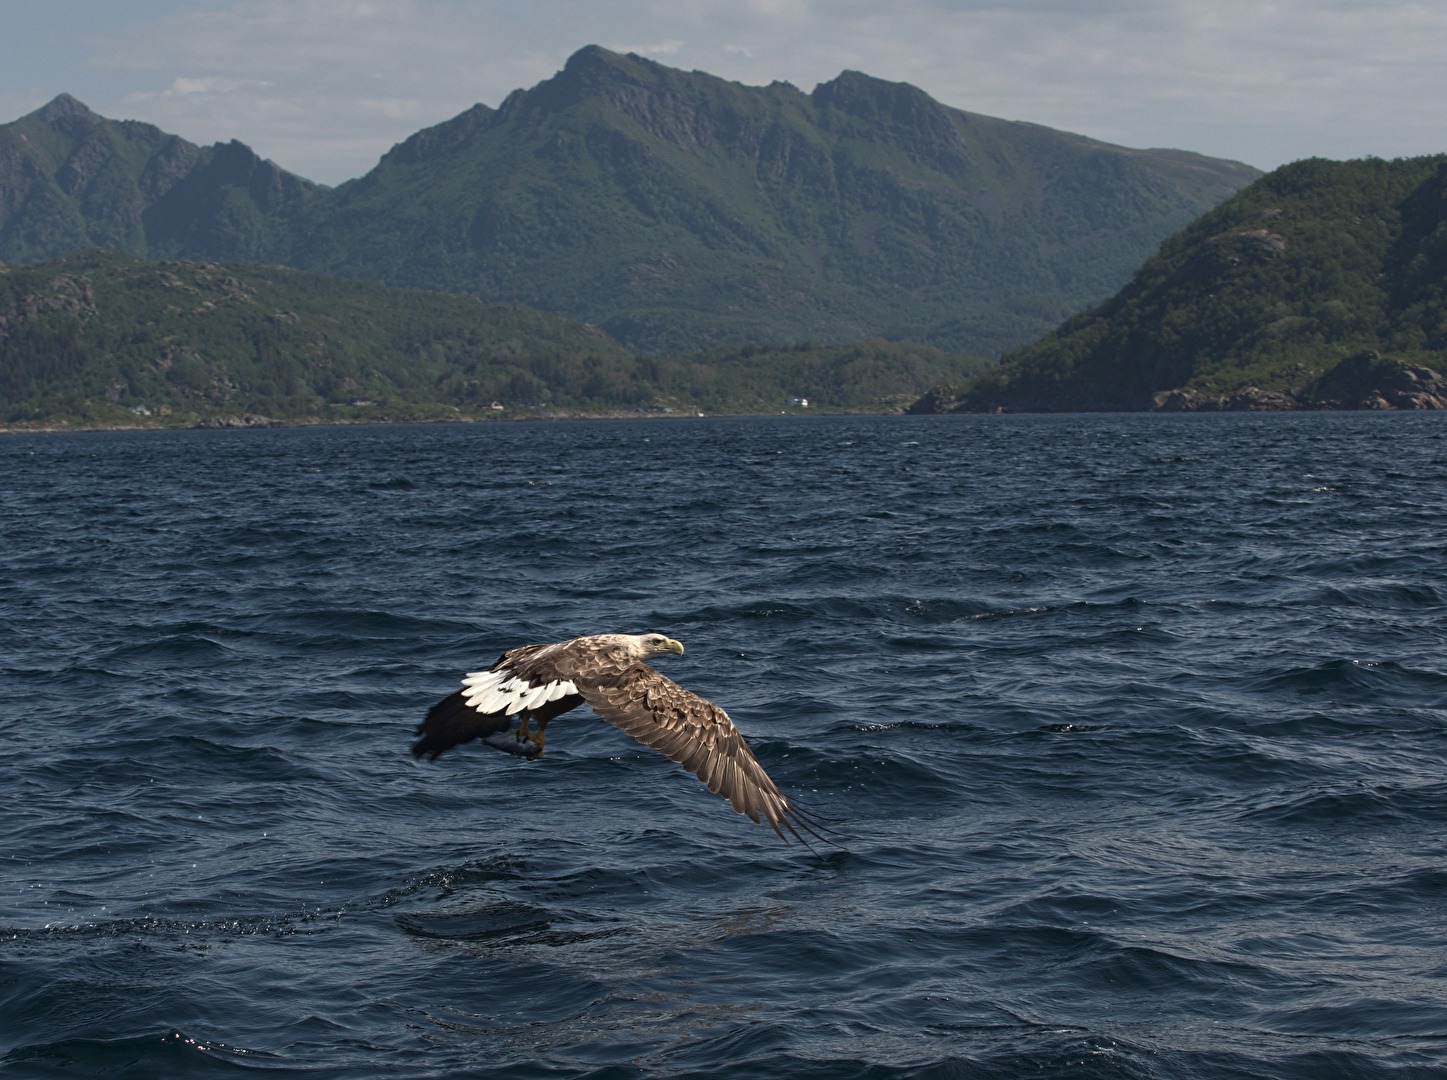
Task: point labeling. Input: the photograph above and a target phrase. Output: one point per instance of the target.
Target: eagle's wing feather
(698, 735)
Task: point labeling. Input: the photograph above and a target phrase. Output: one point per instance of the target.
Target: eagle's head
(647, 646)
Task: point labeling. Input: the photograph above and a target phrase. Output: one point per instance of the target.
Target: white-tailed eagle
(535, 683)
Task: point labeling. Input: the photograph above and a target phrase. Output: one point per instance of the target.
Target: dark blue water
(1135, 727)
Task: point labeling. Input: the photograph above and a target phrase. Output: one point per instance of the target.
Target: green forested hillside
(869, 375)
(103, 338)
(1318, 263)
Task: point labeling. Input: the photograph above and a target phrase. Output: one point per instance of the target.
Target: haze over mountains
(673, 209)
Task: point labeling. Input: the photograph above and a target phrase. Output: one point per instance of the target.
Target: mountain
(1321, 285)
(101, 338)
(70, 180)
(676, 210)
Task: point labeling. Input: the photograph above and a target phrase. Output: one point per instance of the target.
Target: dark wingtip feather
(794, 819)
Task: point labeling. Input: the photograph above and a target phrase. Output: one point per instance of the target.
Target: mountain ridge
(681, 210)
(71, 179)
(863, 207)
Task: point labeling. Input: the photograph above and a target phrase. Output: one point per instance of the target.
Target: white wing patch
(503, 692)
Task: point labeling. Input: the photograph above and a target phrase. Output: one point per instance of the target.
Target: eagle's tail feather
(452, 722)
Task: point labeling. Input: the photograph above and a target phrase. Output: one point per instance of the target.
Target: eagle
(608, 673)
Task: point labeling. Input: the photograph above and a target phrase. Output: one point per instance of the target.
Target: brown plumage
(607, 672)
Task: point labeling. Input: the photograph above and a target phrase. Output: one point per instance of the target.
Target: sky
(325, 87)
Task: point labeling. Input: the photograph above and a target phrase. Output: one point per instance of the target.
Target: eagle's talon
(532, 739)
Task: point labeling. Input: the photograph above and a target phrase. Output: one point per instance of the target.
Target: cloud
(662, 48)
(182, 86)
(795, 11)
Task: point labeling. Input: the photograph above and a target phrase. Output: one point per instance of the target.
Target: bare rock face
(1249, 399)
(1182, 401)
(1364, 381)
(245, 420)
(1368, 381)
(942, 399)
(1254, 399)
(1242, 246)
(65, 293)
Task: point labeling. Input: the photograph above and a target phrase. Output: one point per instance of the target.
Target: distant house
(496, 405)
(799, 402)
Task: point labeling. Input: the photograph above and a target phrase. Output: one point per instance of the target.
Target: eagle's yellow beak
(673, 646)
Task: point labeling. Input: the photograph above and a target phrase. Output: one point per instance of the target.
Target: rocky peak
(63, 107)
(591, 72)
(913, 120)
(594, 60)
(270, 186)
(685, 108)
(869, 98)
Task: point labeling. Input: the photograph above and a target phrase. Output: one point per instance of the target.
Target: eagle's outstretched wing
(698, 735)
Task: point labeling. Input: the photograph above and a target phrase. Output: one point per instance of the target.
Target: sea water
(1131, 729)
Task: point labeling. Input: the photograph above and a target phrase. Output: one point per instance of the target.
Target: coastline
(252, 423)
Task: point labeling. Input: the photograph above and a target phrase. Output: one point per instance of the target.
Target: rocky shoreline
(1366, 381)
(1362, 382)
